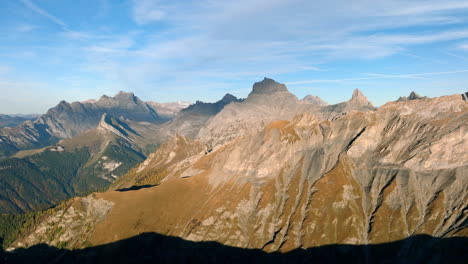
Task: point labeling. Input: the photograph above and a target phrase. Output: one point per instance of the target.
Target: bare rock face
(175, 155)
(364, 178)
(358, 98)
(268, 86)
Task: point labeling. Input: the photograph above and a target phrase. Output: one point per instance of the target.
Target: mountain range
(270, 172)
(76, 148)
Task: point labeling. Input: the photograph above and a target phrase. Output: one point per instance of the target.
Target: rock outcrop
(412, 96)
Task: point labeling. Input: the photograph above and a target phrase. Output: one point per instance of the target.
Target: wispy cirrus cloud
(147, 11)
(35, 8)
(464, 46)
(26, 28)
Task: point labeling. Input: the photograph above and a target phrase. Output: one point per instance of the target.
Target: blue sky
(164, 51)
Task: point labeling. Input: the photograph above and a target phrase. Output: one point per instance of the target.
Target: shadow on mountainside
(136, 187)
(156, 248)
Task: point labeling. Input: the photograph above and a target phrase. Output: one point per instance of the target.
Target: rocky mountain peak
(124, 95)
(357, 94)
(121, 97)
(229, 98)
(268, 86)
(359, 98)
(314, 100)
(413, 96)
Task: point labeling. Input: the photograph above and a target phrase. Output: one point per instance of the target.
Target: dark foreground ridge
(156, 248)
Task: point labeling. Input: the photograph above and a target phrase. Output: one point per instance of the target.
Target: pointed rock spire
(359, 98)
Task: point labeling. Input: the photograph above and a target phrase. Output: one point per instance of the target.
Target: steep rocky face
(268, 86)
(67, 120)
(364, 178)
(174, 155)
(359, 99)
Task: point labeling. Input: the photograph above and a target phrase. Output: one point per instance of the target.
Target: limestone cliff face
(366, 177)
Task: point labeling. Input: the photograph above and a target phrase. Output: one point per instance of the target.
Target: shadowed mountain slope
(156, 248)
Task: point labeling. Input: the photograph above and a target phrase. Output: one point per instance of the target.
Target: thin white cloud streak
(147, 11)
(26, 28)
(424, 8)
(464, 47)
(377, 76)
(33, 7)
(457, 56)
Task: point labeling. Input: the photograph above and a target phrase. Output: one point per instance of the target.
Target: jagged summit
(413, 96)
(268, 86)
(229, 98)
(119, 97)
(124, 95)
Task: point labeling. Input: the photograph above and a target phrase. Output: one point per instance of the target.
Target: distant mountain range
(269, 172)
(14, 120)
(76, 148)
